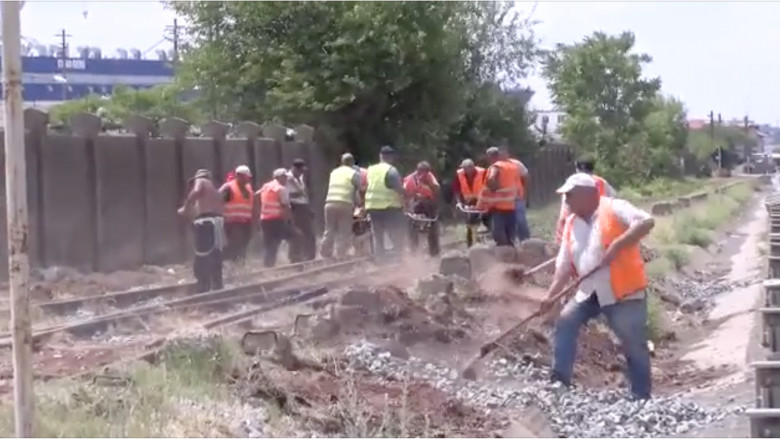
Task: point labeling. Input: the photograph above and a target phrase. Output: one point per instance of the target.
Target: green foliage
(703, 143)
(615, 113)
(421, 75)
(155, 103)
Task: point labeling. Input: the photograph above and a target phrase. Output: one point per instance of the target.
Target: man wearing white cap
(239, 207)
(275, 216)
(600, 244)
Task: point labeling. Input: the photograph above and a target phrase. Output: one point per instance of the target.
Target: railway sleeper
(764, 422)
(774, 266)
(771, 331)
(767, 378)
(772, 292)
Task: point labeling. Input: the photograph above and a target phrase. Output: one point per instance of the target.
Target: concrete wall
(102, 201)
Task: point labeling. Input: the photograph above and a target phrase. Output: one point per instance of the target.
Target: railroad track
(259, 296)
(133, 296)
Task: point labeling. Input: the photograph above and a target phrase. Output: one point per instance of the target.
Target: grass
(183, 396)
(696, 226)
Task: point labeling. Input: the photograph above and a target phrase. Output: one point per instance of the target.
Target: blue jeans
(523, 233)
(628, 319)
(503, 227)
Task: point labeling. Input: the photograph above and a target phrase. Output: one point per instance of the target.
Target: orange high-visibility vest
(413, 186)
(270, 202)
(471, 192)
(627, 270)
(520, 186)
(504, 198)
(239, 208)
(601, 186)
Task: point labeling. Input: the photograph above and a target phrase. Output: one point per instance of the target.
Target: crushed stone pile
(571, 413)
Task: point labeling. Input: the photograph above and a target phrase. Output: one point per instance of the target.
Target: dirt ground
(696, 356)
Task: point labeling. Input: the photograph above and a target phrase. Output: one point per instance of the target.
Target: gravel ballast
(575, 412)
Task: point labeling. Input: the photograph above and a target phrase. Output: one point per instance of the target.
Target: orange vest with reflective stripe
(627, 270)
(601, 186)
(413, 187)
(239, 208)
(270, 202)
(471, 192)
(504, 198)
(520, 187)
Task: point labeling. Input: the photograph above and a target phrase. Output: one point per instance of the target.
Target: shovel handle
(490, 346)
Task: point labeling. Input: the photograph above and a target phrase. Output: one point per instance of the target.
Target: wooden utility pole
(16, 205)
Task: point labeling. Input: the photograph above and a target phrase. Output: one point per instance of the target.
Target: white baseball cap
(243, 169)
(575, 180)
(279, 172)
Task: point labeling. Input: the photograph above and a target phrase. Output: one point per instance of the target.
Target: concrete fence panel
(164, 228)
(68, 196)
(199, 153)
(120, 202)
(234, 152)
(268, 157)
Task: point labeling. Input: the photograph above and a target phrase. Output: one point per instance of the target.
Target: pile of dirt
(388, 313)
(356, 404)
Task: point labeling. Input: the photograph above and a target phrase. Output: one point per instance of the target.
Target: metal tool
(469, 372)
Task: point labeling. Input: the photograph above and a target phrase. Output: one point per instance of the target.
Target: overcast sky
(712, 55)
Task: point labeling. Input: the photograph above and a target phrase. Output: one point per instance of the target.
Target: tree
(155, 103)
(363, 73)
(598, 82)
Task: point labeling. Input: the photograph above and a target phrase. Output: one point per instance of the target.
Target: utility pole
(175, 40)
(712, 139)
(64, 58)
(16, 206)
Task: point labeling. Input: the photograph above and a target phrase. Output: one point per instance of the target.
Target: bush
(677, 255)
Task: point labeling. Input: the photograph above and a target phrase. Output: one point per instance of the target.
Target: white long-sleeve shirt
(588, 252)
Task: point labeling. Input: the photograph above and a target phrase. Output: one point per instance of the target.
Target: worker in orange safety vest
(601, 245)
(583, 165)
(422, 190)
(498, 197)
(239, 206)
(467, 186)
(521, 201)
(275, 216)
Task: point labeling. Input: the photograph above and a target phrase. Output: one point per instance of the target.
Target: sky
(711, 55)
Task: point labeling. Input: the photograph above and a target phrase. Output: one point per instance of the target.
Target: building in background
(50, 78)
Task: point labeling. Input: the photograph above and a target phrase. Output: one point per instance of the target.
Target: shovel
(519, 275)
(469, 372)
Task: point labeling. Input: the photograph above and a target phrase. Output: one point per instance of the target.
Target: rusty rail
(232, 294)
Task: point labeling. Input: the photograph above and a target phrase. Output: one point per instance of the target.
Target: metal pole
(16, 204)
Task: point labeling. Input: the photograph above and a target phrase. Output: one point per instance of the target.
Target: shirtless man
(203, 207)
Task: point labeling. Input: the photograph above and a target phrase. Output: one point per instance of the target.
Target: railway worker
(498, 197)
(523, 231)
(384, 202)
(422, 190)
(239, 209)
(343, 195)
(275, 216)
(304, 246)
(468, 184)
(602, 234)
(203, 206)
(583, 165)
